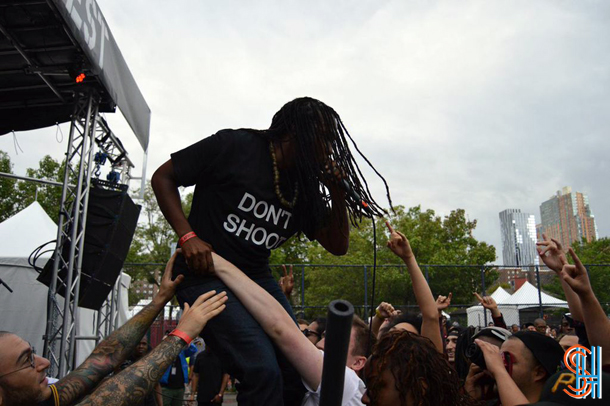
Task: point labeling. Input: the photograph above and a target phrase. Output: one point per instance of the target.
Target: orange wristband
(182, 335)
(186, 237)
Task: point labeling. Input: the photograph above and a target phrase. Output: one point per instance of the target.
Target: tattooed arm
(131, 385)
(117, 346)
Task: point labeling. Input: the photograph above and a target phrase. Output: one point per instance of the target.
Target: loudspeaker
(112, 218)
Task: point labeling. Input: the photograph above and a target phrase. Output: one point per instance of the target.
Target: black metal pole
(540, 311)
(336, 344)
(483, 293)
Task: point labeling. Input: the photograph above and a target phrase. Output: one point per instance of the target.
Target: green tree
(49, 196)
(8, 195)
(435, 240)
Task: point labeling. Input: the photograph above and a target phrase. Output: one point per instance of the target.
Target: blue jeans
(265, 376)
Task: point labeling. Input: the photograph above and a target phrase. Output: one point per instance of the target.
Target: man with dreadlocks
(254, 189)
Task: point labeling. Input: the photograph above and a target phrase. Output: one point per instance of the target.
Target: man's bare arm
(117, 346)
(272, 317)
(131, 385)
(195, 250)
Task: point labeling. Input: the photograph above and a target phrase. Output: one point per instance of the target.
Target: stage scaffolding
(65, 66)
(88, 130)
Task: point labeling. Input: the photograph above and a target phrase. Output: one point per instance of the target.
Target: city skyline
(567, 217)
(518, 231)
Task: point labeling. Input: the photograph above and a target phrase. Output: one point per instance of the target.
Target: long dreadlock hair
(312, 124)
(419, 370)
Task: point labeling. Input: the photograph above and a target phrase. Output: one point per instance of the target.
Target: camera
(475, 355)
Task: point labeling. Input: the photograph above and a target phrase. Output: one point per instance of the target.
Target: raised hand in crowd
(167, 287)
(399, 245)
(113, 350)
(552, 254)
(286, 282)
(489, 303)
(596, 322)
(384, 312)
(443, 302)
(131, 385)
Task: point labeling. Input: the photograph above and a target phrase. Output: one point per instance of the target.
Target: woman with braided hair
(406, 369)
(254, 189)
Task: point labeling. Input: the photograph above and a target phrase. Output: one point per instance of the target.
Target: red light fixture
(80, 78)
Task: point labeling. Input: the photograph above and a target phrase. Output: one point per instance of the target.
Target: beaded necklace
(276, 182)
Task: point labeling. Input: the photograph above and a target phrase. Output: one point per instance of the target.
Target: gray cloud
(472, 104)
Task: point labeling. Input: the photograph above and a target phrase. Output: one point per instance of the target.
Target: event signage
(88, 26)
(586, 365)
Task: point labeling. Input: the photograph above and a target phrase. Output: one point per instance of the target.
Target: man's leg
(242, 346)
(178, 397)
(170, 396)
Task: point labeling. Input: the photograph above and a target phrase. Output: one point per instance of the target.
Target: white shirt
(353, 389)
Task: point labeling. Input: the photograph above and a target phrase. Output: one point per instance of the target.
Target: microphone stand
(336, 344)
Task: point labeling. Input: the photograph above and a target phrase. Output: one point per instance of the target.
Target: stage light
(81, 77)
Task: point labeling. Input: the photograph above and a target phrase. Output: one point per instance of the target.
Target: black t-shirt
(235, 208)
(52, 400)
(210, 371)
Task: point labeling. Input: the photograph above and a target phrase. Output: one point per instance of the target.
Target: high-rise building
(518, 238)
(567, 217)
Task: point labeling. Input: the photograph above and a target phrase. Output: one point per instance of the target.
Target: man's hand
(385, 311)
(333, 175)
(493, 358)
(198, 256)
(551, 253)
(207, 306)
(217, 398)
(443, 302)
(489, 303)
(576, 276)
(287, 281)
(398, 243)
(479, 383)
(167, 289)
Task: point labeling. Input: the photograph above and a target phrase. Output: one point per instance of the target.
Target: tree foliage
(435, 240)
(8, 197)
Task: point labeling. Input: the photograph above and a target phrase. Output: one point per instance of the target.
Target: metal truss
(87, 131)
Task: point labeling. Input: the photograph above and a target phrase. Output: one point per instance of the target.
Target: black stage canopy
(44, 46)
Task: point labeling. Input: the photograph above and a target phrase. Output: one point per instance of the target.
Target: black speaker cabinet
(112, 218)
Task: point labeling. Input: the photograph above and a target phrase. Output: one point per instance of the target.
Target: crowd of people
(253, 190)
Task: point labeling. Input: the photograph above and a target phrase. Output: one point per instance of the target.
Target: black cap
(547, 351)
(554, 391)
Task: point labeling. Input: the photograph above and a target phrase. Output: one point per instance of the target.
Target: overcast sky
(480, 105)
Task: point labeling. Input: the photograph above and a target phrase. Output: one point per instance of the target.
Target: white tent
(524, 298)
(24, 310)
(527, 296)
(510, 313)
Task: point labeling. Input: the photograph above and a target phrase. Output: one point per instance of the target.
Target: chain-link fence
(515, 289)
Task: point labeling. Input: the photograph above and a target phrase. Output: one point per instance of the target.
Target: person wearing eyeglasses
(315, 330)
(23, 374)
